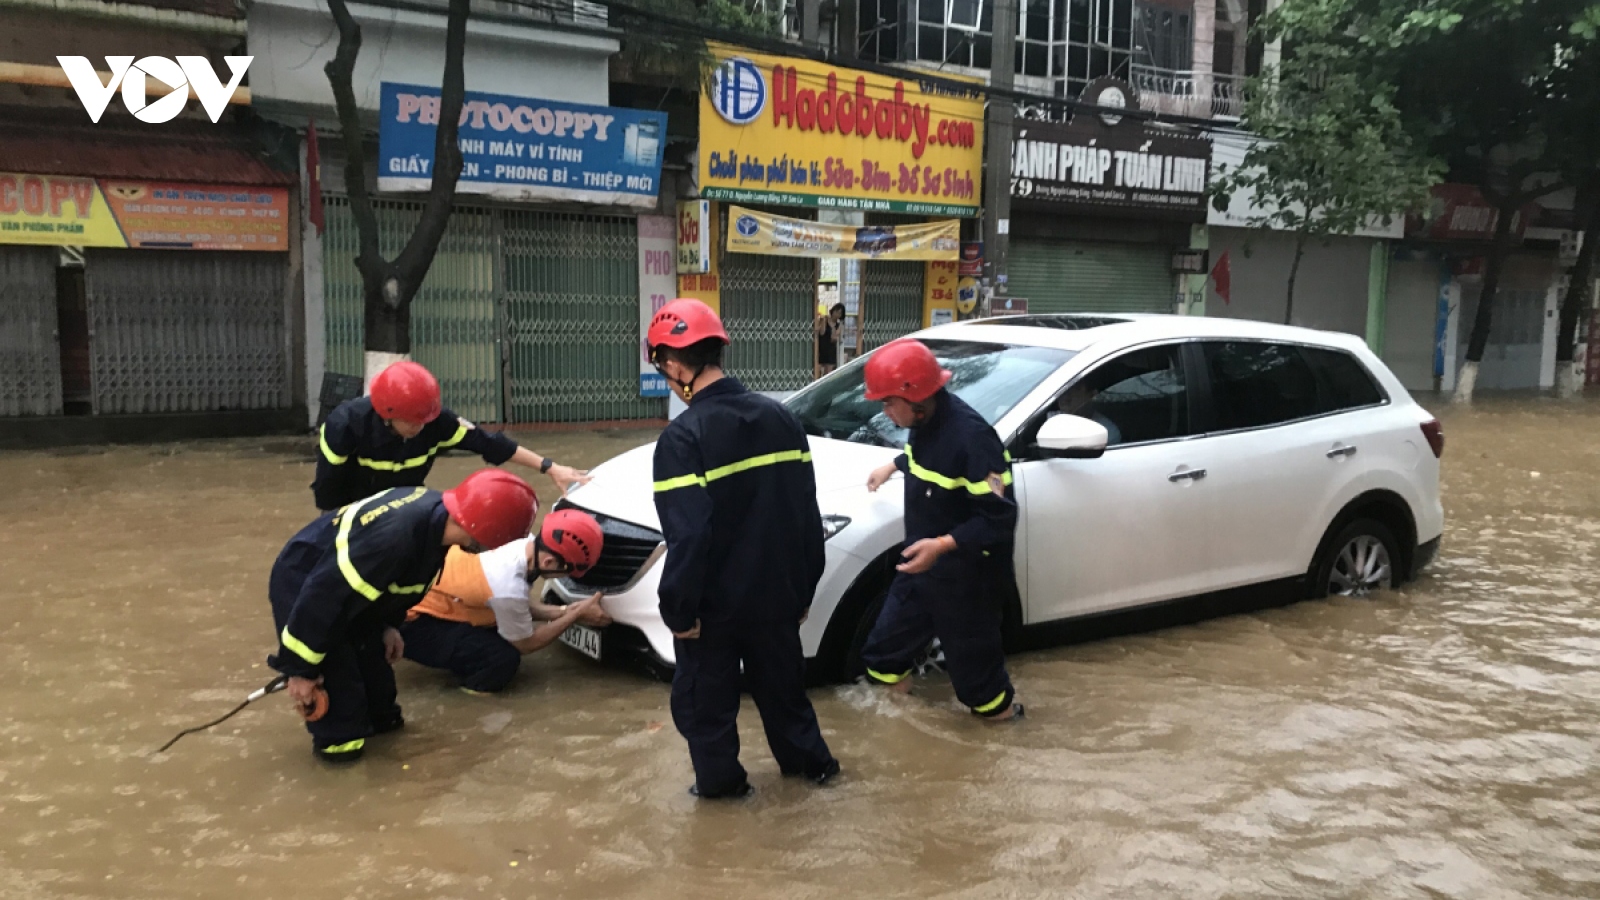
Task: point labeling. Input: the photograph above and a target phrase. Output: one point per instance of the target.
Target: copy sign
(517, 148)
(658, 281)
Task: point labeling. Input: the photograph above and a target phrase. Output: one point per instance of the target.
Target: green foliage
(1476, 83)
(1332, 154)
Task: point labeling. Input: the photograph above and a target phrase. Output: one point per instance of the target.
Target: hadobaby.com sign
(133, 79)
(794, 132)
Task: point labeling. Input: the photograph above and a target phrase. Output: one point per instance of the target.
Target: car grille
(627, 548)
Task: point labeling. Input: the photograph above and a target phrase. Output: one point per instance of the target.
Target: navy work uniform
(361, 455)
(948, 465)
(335, 587)
(738, 505)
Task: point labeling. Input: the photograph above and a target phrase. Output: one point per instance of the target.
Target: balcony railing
(1187, 93)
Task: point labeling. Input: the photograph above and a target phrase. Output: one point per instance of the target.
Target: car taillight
(1434, 432)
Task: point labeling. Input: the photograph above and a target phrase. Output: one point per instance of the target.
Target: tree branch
(413, 262)
(341, 77)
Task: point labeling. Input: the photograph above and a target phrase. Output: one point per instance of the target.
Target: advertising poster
(63, 210)
(792, 132)
(658, 281)
(694, 237)
(519, 148)
(751, 231)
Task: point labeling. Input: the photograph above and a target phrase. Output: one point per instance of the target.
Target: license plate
(583, 639)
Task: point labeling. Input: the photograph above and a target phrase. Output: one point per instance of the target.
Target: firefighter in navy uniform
(389, 439)
(341, 587)
(738, 505)
(960, 524)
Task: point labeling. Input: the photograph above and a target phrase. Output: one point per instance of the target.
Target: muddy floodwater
(1438, 742)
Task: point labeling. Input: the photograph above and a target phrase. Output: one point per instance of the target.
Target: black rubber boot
(739, 793)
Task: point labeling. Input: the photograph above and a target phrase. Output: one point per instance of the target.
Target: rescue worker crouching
(340, 589)
(478, 621)
(390, 438)
(737, 500)
(960, 525)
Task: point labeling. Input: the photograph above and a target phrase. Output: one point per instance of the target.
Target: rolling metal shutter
(768, 305)
(30, 360)
(1062, 276)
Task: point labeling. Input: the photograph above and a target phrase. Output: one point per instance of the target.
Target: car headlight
(832, 525)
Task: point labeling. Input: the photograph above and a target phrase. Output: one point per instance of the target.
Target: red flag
(313, 178)
(1222, 277)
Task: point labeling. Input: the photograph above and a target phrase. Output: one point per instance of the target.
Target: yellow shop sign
(793, 132)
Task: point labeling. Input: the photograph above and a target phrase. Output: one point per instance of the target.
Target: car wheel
(1360, 561)
(853, 667)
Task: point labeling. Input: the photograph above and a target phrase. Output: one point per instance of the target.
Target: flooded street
(1443, 741)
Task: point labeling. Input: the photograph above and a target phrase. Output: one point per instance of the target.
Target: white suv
(1156, 458)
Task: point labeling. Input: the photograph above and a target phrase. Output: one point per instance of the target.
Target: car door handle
(1191, 475)
(1337, 452)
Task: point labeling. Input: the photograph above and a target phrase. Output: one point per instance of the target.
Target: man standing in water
(389, 439)
(341, 587)
(960, 522)
(738, 505)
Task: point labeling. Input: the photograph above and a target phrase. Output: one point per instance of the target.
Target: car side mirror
(1072, 437)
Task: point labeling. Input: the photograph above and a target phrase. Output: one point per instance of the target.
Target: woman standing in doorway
(829, 329)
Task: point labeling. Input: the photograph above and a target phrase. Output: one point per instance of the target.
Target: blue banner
(517, 148)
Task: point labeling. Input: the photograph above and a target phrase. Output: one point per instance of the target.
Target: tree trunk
(1569, 379)
(1499, 247)
(1294, 271)
(388, 287)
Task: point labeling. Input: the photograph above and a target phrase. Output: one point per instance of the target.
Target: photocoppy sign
(517, 148)
(800, 133)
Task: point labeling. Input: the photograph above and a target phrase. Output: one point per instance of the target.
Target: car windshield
(991, 378)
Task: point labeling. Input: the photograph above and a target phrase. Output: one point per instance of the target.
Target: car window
(1345, 382)
(991, 378)
(1254, 384)
(1139, 397)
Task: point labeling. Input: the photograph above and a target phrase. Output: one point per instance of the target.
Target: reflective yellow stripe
(743, 465)
(383, 465)
(948, 483)
(682, 481)
(992, 705)
(756, 462)
(348, 568)
(408, 589)
(887, 679)
(461, 432)
(327, 451)
(346, 747)
(300, 649)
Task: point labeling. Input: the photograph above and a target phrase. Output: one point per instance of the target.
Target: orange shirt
(460, 595)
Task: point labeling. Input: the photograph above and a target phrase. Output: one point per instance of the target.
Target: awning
(42, 142)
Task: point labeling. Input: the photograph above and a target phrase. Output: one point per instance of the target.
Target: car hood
(623, 485)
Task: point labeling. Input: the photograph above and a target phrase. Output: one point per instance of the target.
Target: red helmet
(573, 536)
(905, 368)
(406, 391)
(495, 507)
(682, 323)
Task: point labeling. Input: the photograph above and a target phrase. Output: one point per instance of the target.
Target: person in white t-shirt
(478, 619)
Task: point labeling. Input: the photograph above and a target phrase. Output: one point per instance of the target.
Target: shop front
(531, 310)
(144, 272)
(1101, 205)
(831, 172)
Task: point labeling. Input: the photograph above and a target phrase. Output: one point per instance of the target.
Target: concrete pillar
(1377, 295)
(1203, 61)
(1194, 286)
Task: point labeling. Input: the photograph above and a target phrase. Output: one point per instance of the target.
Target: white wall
(1330, 288)
(293, 39)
